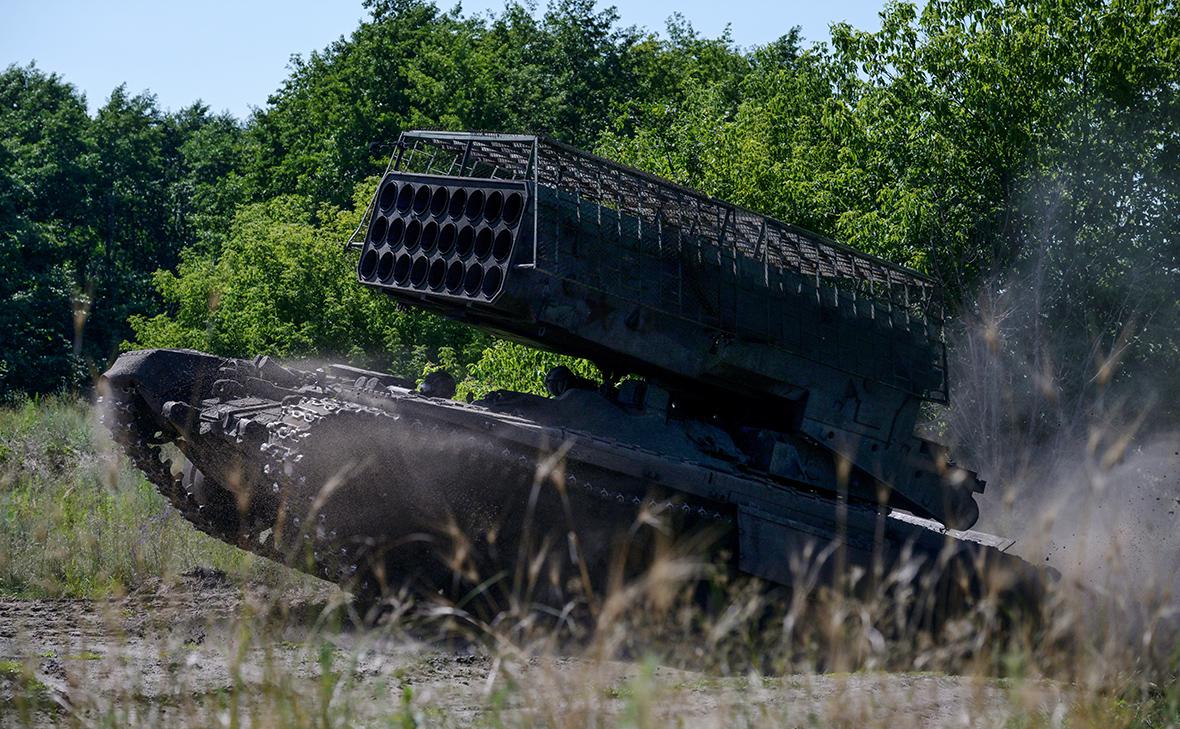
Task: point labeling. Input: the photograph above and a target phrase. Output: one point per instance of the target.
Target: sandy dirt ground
(206, 652)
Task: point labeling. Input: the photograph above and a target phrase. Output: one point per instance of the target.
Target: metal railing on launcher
(682, 224)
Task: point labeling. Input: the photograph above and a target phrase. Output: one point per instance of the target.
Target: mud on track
(205, 653)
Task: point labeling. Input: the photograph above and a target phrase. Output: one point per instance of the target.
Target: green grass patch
(77, 520)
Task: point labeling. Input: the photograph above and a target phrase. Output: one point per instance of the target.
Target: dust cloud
(1070, 418)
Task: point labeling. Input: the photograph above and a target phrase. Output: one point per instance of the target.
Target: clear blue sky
(232, 55)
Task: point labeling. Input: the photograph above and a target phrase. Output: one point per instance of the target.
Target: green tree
(1037, 142)
(282, 284)
(1030, 141)
(89, 208)
(565, 73)
(207, 154)
(967, 139)
(45, 180)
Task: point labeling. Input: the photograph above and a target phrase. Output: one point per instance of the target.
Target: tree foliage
(412, 65)
(89, 207)
(967, 138)
(283, 285)
(1033, 142)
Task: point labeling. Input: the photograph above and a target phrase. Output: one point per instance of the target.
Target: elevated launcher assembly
(731, 316)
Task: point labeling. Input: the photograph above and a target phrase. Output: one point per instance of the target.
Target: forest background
(1029, 146)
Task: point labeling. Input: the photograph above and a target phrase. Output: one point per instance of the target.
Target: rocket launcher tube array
(448, 240)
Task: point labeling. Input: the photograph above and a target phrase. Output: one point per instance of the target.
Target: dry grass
(267, 647)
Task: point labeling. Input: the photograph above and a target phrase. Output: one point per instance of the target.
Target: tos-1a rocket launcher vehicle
(760, 384)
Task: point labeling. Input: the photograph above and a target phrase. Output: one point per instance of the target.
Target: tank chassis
(760, 391)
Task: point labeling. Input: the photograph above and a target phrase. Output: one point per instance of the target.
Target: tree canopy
(89, 208)
(971, 139)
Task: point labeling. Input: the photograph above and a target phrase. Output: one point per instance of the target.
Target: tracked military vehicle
(759, 395)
